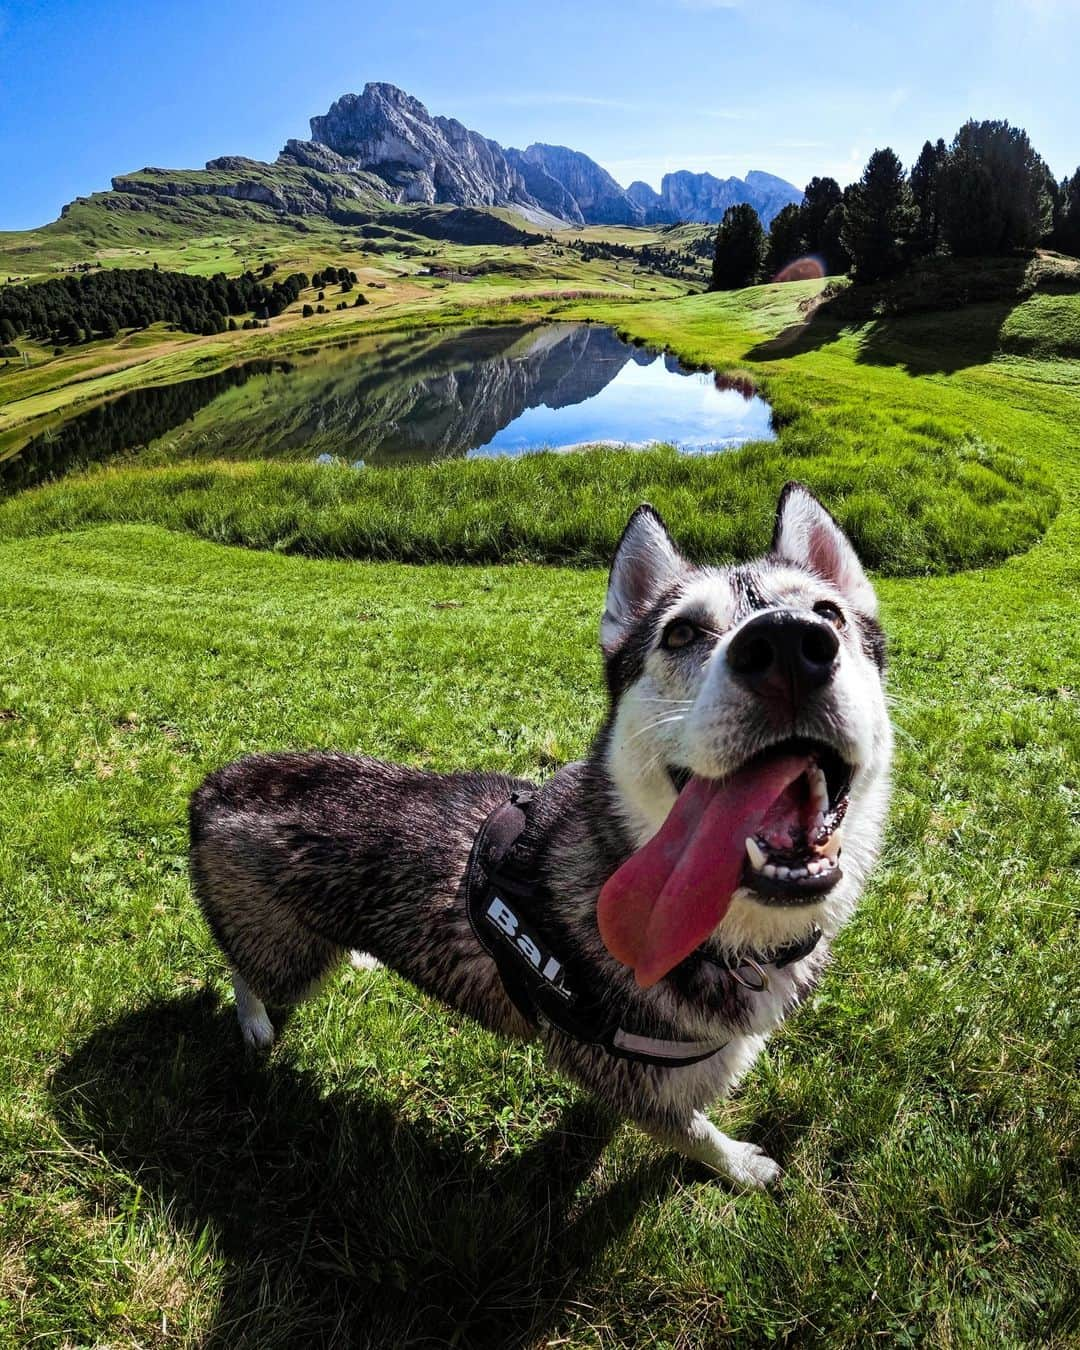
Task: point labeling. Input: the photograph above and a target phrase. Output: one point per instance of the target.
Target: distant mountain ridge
(372, 152)
(390, 134)
(700, 196)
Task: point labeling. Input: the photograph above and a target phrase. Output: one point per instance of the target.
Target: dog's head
(748, 742)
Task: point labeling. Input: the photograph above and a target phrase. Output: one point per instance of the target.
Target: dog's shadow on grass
(338, 1222)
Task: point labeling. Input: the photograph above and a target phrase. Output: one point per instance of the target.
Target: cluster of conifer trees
(669, 262)
(71, 309)
(986, 194)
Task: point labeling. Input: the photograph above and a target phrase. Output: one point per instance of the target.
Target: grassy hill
(394, 1175)
(241, 213)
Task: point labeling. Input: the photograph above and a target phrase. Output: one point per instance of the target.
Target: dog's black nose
(785, 656)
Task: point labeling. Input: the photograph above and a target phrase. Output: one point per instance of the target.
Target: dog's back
(297, 858)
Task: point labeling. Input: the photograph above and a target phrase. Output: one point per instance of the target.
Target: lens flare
(809, 268)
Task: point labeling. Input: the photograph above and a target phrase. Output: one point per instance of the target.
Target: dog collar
(503, 899)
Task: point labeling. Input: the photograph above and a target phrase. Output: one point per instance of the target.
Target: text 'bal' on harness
(503, 899)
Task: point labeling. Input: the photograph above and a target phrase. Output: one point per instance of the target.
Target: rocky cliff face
(545, 189)
(419, 157)
(600, 199)
(771, 194)
(700, 196)
(649, 201)
(429, 159)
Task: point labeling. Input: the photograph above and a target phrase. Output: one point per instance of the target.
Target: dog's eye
(679, 633)
(832, 612)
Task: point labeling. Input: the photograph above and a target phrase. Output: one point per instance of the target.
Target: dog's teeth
(831, 847)
(783, 873)
(756, 854)
(815, 867)
(768, 870)
(799, 873)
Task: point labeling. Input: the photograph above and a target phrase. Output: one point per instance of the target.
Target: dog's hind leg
(275, 955)
(699, 1139)
(255, 1025)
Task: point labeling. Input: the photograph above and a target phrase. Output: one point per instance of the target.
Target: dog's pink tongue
(669, 896)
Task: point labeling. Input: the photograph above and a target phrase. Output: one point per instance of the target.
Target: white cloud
(708, 4)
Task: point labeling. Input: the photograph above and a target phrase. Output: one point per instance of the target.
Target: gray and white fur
(300, 859)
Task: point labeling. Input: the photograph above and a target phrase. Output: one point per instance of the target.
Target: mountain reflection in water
(433, 395)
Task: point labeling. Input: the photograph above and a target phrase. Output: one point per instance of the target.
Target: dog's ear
(646, 564)
(807, 535)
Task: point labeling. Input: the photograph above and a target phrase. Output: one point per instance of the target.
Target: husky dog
(690, 874)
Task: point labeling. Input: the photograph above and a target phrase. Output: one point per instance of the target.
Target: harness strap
(499, 903)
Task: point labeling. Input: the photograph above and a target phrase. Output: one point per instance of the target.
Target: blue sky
(644, 86)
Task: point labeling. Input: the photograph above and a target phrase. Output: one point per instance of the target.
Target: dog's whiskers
(651, 763)
(666, 720)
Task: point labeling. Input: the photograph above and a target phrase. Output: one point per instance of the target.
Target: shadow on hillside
(928, 322)
(340, 1223)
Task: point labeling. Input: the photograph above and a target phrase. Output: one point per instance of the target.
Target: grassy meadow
(394, 1176)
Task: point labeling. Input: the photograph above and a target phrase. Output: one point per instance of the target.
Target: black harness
(504, 902)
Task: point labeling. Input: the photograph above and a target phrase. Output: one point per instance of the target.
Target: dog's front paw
(750, 1166)
(743, 1165)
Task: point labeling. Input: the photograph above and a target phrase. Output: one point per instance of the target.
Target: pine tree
(831, 248)
(785, 240)
(994, 196)
(820, 199)
(1067, 227)
(925, 195)
(878, 218)
(740, 249)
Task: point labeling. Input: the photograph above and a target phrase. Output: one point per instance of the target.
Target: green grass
(395, 1176)
(963, 503)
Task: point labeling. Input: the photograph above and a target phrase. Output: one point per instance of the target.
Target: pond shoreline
(429, 395)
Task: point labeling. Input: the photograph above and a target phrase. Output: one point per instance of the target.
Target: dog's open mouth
(794, 855)
(773, 826)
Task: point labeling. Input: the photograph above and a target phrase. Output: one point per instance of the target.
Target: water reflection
(433, 395)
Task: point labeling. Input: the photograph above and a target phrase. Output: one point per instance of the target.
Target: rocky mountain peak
(423, 158)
